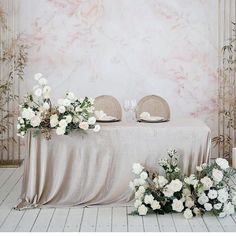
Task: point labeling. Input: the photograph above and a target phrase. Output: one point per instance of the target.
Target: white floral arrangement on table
(71, 113)
(208, 190)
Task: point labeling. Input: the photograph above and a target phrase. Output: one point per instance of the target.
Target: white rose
(199, 168)
(207, 183)
(217, 175)
(176, 185)
(218, 206)
(143, 175)
(222, 163)
(38, 92)
(141, 181)
(138, 194)
(46, 91)
(167, 191)
(91, 100)
(137, 203)
(137, 168)
(141, 189)
(54, 120)
(37, 76)
(61, 109)
(212, 194)
(188, 214)
(21, 121)
(46, 106)
(228, 208)
(42, 81)
(148, 199)
(28, 113)
(97, 128)
(63, 123)
(92, 120)
(189, 202)
(203, 199)
(68, 118)
(223, 195)
(191, 180)
(66, 102)
(155, 205)
(208, 206)
(71, 96)
(142, 210)
(186, 192)
(177, 205)
(162, 181)
(18, 126)
(35, 121)
(84, 125)
(60, 131)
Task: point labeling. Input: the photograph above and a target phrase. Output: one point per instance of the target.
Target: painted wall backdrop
(127, 48)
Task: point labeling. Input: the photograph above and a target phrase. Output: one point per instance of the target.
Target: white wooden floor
(92, 219)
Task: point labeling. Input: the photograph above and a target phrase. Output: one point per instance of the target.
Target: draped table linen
(88, 168)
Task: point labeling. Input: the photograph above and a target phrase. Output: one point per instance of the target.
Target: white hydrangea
(148, 199)
(217, 175)
(137, 168)
(177, 205)
(222, 163)
(188, 214)
(207, 183)
(155, 205)
(142, 210)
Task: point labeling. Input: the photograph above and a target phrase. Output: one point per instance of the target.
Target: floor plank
(212, 223)
(150, 223)
(6, 174)
(89, 220)
(27, 221)
(73, 220)
(104, 219)
(166, 223)
(43, 220)
(181, 224)
(135, 222)
(119, 219)
(197, 224)
(227, 224)
(58, 220)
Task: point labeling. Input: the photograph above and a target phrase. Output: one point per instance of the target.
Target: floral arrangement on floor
(208, 190)
(71, 113)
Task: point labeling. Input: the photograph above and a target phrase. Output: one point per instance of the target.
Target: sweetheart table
(95, 168)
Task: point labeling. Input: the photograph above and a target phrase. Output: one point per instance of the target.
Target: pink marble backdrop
(127, 48)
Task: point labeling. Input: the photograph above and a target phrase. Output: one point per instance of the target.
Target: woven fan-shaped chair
(109, 105)
(155, 105)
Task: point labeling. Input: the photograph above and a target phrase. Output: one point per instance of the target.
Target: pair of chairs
(154, 105)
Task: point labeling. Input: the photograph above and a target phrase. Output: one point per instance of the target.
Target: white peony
(189, 202)
(188, 214)
(42, 81)
(68, 118)
(138, 194)
(208, 206)
(84, 125)
(217, 175)
(212, 194)
(148, 199)
(37, 76)
(97, 128)
(207, 183)
(63, 123)
(60, 130)
(61, 109)
(191, 180)
(162, 181)
(35, 121)
(137, 168)
(217, 206)
(46, 106)
(142, 210)
(203, 199)
(28, 113)
(155, 205)
(54, 120)
(177, 205)
(222, 195)
(137, 203)
(176, 185)
(222, 163)
(92, 120)
(38, 92)
(143, 175)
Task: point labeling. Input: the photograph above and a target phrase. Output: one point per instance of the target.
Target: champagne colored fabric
(95, 168)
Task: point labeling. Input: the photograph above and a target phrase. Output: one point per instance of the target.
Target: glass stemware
(127, 107)
(133, 105)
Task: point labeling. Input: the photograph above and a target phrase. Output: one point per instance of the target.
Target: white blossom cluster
(207, 190)
(71, 113)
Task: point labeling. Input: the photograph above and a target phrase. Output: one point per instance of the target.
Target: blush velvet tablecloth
(95, 168)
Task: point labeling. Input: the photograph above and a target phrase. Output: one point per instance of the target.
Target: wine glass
(127, 106)
(133, 105)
